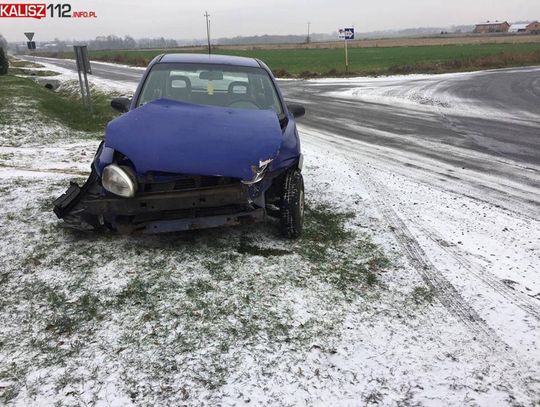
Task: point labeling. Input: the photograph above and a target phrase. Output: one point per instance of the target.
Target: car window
(210, 84)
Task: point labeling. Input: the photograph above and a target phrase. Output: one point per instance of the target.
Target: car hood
(183, 138)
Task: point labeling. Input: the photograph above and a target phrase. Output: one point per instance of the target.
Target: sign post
(31, 44)
(346, 34)
(83, 68)
(346, 57)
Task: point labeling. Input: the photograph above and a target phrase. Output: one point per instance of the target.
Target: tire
(292, 205)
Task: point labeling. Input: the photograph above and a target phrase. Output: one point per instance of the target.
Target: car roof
(210, 59)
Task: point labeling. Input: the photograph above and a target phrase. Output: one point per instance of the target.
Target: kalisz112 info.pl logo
(42, 10)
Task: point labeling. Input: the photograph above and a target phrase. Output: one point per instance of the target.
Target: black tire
(292, 204)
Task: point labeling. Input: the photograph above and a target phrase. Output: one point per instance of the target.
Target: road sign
(30, 36)
(83, 68)
(31, 44)
(346, 33)
(81, 56)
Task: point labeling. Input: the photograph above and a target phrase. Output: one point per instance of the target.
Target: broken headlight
(119, 180)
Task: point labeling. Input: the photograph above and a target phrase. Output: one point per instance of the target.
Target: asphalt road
(487, 144)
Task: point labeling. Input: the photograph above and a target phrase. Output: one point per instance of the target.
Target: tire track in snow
(443, 290)
(522, 301)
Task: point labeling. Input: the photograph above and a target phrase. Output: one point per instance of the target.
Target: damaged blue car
(205, 141)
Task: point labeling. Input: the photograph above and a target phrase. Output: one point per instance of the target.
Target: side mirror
(296, 109)
(121, 104)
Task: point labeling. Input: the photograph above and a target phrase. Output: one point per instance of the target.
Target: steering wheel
(243, 103)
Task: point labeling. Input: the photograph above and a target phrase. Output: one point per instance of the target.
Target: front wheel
(292, 205)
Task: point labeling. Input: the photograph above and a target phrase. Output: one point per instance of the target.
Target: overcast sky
(183, 19)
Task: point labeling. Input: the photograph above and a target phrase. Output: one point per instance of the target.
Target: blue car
(205, 141)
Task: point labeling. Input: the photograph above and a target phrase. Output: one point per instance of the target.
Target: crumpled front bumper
(90, 207)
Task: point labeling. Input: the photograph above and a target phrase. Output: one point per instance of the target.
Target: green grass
(371, 61)
(57, 106)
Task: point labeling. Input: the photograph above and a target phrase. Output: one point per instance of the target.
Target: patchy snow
(429, 297)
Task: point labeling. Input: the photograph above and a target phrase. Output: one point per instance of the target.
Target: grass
(422, 295)
(365, 61)
(64, 107)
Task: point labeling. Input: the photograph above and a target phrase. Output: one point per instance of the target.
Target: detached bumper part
(67, 206)
(64, 202)
(67, 201)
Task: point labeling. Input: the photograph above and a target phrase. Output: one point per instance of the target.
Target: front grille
(186, 183)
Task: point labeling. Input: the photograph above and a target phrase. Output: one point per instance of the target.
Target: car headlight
(258, 172)
(120, 181)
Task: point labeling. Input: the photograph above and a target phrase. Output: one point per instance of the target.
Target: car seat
(234, 94)
(179, 88)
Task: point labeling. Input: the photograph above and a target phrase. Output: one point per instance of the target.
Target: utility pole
(308, 40)
(208, 31)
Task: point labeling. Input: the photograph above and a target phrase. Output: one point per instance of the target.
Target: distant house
(492, 27)
(518, 28)
(533, 28)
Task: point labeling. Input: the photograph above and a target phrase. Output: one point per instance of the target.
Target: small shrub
(281, 73)
(308, 74)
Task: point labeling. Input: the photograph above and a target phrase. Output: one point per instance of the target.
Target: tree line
(103, 42)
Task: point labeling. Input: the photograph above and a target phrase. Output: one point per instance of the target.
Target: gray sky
(182, 19)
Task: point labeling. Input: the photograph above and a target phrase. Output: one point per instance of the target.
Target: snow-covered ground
(403, 292)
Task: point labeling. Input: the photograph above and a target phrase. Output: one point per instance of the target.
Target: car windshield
(210, 84)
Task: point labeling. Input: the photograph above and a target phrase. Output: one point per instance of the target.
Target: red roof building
(492, 27)
(533, 28)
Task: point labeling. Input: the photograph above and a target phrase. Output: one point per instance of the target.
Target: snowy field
(402, 292)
